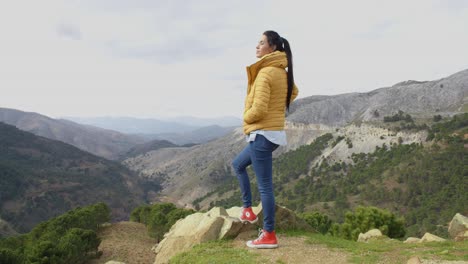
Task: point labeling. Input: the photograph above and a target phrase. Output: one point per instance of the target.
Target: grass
(389, 250)
(218, 252)
(378, 251)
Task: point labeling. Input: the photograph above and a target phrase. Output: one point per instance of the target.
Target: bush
(320, 222)
(68, 238)
(158, 218)
(367, 218)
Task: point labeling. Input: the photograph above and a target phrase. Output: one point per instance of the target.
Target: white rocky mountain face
(190, 173)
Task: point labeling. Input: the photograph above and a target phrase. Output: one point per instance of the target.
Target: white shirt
(275, 136)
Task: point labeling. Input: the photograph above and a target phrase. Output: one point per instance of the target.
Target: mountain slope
(147, 147)
(101, 142)
(420, 99)
(41, 178)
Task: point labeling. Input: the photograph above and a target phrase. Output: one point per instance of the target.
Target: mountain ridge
(442, 96)
(102, 142)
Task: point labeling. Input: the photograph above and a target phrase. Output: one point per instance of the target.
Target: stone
(412, 240)
(114, 262)
(373, 233)
(184, 234)
(462, 236)
(428, 237)
(414, 260)
(458, 227)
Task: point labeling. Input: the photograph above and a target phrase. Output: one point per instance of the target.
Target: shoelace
(260, 234)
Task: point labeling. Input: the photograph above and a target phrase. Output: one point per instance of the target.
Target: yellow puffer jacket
(265, 103)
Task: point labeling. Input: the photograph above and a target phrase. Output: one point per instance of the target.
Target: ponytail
(282, 44)
(287, 49)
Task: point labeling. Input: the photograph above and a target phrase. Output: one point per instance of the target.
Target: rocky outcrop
(371, 234)
(458, 227)
(218, 223)
(412, 240)
(428, 237)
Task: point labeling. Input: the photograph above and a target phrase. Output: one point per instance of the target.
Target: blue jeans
(259, 154)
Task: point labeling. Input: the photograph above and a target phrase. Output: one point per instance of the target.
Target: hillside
(141, 149)
(101, 142)
(41, 178)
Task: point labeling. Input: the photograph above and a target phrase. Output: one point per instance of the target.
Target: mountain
(131, 125)
(420, 99)
(356, 117)
(41, 178)
(178, 125)
(225, 121)
(197, 136)
(102, 142)
(147, 147)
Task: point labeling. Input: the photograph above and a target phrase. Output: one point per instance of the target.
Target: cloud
(153, 58)
(69, 31)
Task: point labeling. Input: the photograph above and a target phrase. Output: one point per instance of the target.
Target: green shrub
(367, 218)
(158, 218)
(69, 238)
(320, 222)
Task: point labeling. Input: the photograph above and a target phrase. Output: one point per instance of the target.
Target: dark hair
(282, 44)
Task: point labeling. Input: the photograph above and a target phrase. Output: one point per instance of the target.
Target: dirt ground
(126, 242)
(295, 250)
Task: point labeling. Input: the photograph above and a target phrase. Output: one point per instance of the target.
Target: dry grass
(126, 242)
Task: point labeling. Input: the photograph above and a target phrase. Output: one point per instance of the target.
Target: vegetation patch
(216, 252)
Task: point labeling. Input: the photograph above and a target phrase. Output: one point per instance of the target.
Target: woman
(270, 90)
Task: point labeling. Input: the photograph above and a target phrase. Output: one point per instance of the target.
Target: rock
(114, 262)
(215, 224)
(458, 227)
(184, 234)
(414, 260)
(286, 219)
(462, 236)
(373, 233)
(428, 237)
(412, 240)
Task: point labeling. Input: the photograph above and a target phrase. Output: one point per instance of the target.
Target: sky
(158, 59)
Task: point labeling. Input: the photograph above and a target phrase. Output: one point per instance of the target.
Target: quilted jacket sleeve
(261, 98)
(294, 93)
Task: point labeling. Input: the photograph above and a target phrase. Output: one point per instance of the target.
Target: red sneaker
(247, 215)
(265, 240)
